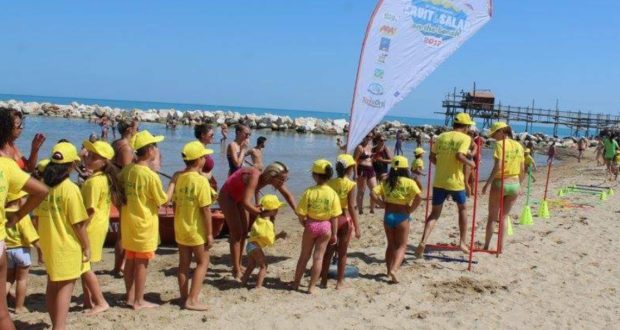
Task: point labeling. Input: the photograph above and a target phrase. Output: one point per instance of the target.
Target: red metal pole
(548, 175)
(428, 181)
(500, 237)
(473, 217)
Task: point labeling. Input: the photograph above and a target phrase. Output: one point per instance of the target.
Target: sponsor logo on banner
(439, 20)
(389, 17)
(379, 73)
(374, 103)
(375, 89)
(387, 30)
(382, 57)
(385, 44)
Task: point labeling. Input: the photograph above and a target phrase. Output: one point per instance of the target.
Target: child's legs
(185, 259)
(130, 287)
(320, 245)
(389, 249)
(462, 209)
(119, 254)
(259, 255)
(401, 237)
(494, 205)
(5, 320)
(250, 268)
(60, 297)
(140, 271)
(89, 279)
(329, 254)
(21, 279)
(344, 236)
(202, 263)
(11, 275)
(307, 243)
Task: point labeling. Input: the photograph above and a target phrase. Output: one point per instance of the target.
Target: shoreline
(266, 121)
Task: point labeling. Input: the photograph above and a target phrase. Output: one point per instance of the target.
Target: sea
(296, 150)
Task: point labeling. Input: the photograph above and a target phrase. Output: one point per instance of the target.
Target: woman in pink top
(237, 199)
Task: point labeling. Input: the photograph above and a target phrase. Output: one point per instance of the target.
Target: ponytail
(116, 188)
(341, 171)
(54, 173)
(395, 174)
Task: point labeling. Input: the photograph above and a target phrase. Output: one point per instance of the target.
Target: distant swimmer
(256, 153)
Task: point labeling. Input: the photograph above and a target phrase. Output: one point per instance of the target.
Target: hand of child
(209, 242)
(85, 255)
(333, 240)
(358, 234)
(484, 188)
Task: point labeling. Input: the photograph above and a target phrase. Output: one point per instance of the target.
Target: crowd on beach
(41, 207)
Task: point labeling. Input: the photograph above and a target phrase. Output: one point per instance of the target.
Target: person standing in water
(398, 148)
(236, 150)
(256, 153)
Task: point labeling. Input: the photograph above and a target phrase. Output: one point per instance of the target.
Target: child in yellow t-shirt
(18, 241)
(192, 223)
(262, 235)
(63, 238)
(140, 216)
(615, 166)
(417, 169)
(318, 212)
(530, 163)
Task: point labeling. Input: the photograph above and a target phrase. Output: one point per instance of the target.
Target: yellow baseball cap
(320, 166)
(63, 153)
(527, 150)
(144, 138)
(419, 151)
(42, 164)
(400, 162)
(463, 119)
(346, 160)
(270, 203)
(101, 148)
(194, 150)
(497, 126)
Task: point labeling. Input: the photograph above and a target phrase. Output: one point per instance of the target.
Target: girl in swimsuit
(26, 164)
(347, 221)
(236, 198)
(365, 172)
(400, 196)
(235, 153)
(317, 210)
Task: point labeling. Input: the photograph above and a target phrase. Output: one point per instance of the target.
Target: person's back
(449, 172)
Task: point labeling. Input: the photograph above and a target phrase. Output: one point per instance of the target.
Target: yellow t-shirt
(263, 232)
(319, 203)
(513, 159)
(342, 187)
(528, 160)
(418, 164)
(96, 194)
(403, 194)
(449, 170)
(617, 159)
(140, 216)
(57, 214)
(192, 192)
(12, 179)
(22, 235)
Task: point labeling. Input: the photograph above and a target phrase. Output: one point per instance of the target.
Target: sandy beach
(559, 273)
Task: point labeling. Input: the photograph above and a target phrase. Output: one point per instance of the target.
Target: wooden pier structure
(481, 104)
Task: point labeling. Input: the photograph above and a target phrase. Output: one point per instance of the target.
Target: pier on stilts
(481, 104)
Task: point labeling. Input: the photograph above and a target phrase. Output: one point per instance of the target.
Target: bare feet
(464, 248)
(311, 290)
(419, 252)
(195, 306)
(393, 277)
(340, 285)
(98, 309)
(21, 310)
(144, 304)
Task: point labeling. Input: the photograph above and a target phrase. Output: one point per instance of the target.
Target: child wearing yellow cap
(400, 196)
(417, 169)
(262, 235)
(530, 163)
(192, 199)
(140, 216)
(347, 221)
(62, 220)
(19, 239)
(318, 212)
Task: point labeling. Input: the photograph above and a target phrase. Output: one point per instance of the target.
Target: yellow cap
(419, 151)
(320, 166)
(527, 150)
(101, 148)
(10, 197)
(400, 162)
(42, 164)
(145, 138)
(463, 119)
(270, 203)
(346, 160)
(63, 153)
(497, 126)
(194, 150)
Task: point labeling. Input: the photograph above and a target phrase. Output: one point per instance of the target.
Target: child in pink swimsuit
(318, 212)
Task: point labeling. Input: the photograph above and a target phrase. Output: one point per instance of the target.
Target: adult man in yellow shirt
(449, 154)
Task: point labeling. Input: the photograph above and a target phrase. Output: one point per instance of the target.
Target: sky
(298, 54)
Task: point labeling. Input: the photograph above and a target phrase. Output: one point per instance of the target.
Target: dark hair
(329, 172)
(240, 128)
(142, 151)
(201, 129)
(116, 188)
(123, 125)
(189, 163)
(63, 141)
(54, 173)
(6, 126)
(394, 174)
(459, 126)
(261, 140)
(341, 171)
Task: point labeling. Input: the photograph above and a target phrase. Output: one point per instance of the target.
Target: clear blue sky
(297, 54)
